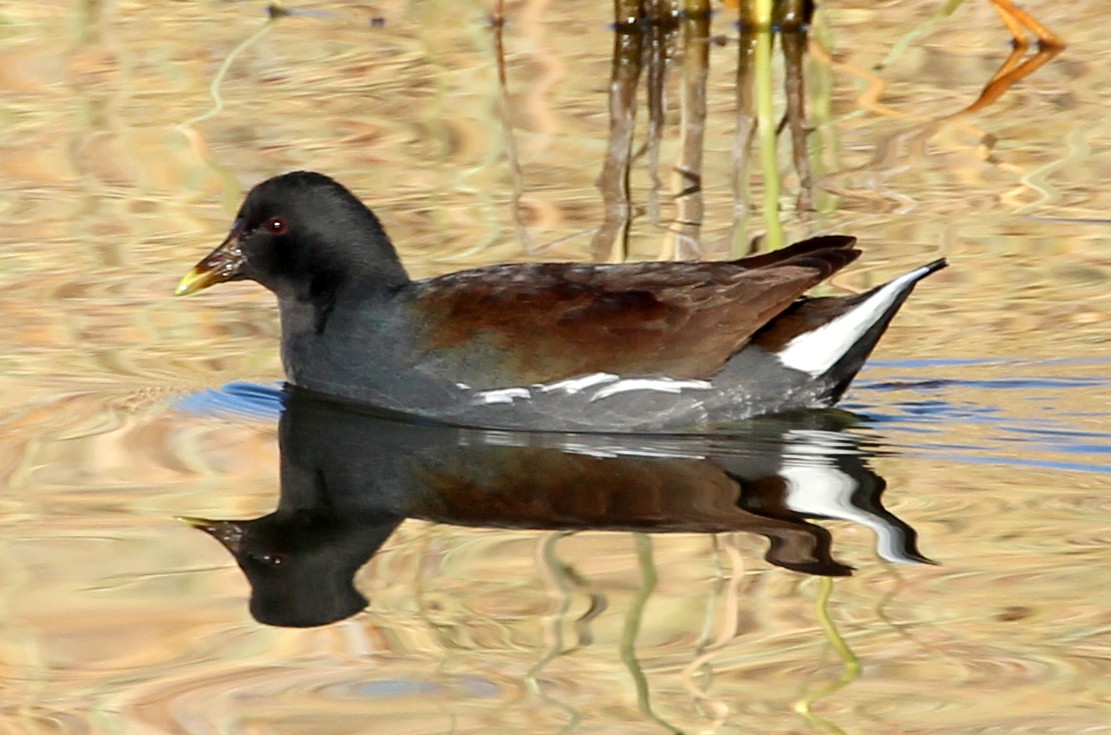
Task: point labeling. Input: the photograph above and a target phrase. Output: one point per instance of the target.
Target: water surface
(984, 413)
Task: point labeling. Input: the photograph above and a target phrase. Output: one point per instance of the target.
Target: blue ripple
(252, 400)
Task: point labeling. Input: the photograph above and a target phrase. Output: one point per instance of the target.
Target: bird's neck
(379, 275)
(367, 282)
(378, 269)
(324, 339)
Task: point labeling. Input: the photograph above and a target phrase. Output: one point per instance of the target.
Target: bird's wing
(537, 323)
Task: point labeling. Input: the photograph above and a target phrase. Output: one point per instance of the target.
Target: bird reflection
(349, 479)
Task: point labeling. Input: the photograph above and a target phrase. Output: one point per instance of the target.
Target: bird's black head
(301, 235)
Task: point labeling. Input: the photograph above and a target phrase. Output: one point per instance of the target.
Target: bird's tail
(835, 336)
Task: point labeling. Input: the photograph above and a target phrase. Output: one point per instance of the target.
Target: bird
(650, 347)
(350, 478)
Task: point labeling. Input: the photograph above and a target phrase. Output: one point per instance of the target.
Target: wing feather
(535, 323)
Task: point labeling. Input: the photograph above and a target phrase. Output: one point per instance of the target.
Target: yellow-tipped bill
(225, 263)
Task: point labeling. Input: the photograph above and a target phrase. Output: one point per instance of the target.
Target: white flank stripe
(503, 395)
(575, 385)
(612, 385)
(662, 385)
(817, 351)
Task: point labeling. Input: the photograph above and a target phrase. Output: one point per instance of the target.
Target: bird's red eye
(276, 226)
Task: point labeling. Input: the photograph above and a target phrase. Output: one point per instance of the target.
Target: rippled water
(978, 438)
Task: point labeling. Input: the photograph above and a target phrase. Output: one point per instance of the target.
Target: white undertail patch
(815, 352)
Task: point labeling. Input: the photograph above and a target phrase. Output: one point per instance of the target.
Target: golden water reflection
(985, 410)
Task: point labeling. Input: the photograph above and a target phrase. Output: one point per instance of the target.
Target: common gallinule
(646, 347)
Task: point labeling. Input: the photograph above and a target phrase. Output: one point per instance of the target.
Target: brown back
(552, 321)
